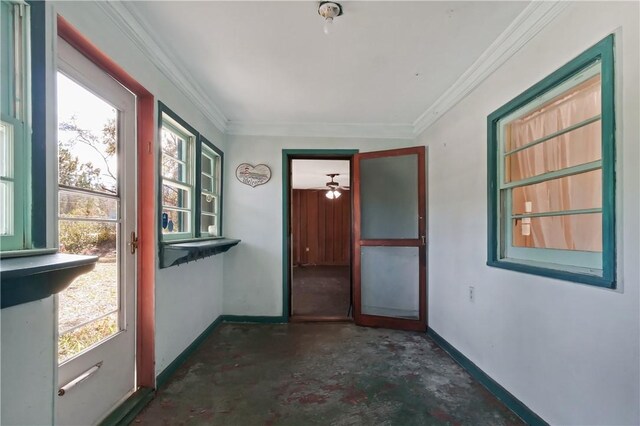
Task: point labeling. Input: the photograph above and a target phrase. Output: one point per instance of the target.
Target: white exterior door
(96, 215)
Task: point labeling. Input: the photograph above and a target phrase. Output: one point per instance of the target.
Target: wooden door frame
(380, 321)
(145, 291)
(289, 155)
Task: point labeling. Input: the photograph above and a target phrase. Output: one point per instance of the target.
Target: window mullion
(574, 170)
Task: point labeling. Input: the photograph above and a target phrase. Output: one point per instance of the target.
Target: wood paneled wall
(321, 228)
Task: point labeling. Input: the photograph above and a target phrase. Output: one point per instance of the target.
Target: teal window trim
(15, 113)
(169, 245)
(548, 266)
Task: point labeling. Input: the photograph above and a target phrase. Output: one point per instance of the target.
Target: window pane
(6, 210)
(569, 108)
(207, 165)
(175, 197)
(205, 222)
(580, 146)
(209, 203)
(581, 191)
(207, 183)
(571, 232)
(173, 145)
(178, 222)
(173, 169)
(72, 204)
(6, 150)
(87, 139)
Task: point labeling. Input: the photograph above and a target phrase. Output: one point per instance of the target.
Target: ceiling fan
(333, 187)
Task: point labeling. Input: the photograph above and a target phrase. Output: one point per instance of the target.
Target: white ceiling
(313, 173)
(270, 62)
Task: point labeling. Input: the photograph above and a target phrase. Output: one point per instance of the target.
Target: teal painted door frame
(287, 156)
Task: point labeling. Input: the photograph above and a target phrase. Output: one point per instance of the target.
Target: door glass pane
(90, 296)
(75, 204)
(389, 197)
(88, 310)
(86, 139)
(389, 281)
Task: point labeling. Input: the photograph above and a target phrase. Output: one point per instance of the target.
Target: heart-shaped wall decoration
(253, 175)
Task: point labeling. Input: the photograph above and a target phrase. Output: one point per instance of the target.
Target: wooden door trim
(419, 324)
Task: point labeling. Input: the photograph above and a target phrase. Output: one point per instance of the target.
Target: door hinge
(423, 239)
(134, 242)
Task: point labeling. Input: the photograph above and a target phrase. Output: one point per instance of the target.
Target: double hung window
(15, 127)
(191, 172)
(551, 174)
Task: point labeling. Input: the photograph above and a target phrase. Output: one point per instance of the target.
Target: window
(210, 191)
(551, 174)
(191, 170)
(15, 127)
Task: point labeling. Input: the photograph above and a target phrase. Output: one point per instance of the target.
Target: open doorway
(320, 212)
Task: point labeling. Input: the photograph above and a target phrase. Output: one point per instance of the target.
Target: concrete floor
(320, 291)
(321, 374)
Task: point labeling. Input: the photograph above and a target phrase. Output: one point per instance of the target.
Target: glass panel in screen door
(389, 281)
(88, 215)
(389, 197)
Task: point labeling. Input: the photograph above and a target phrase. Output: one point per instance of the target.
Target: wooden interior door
(389, 228)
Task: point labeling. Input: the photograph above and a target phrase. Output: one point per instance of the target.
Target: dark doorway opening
(320, 213)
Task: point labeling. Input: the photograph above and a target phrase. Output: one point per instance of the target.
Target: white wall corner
(135, 28)
(327, 130)
(536, 16)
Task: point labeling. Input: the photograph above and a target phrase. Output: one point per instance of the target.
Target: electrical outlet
(471, 293)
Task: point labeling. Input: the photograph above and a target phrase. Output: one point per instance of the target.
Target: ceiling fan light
(336, 194)
(329, 195)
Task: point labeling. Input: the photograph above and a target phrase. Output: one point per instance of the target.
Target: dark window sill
(177, 252)
(29, 278)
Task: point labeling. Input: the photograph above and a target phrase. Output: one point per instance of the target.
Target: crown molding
(134, 27)
(536, 16)
(330, 130)
(527, 24)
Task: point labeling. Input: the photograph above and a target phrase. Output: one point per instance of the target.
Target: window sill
(29, 278)
(176, 252)
(578, 275)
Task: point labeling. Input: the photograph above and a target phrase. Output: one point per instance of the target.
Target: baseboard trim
(166, 374)
(513, 403)
(255, 319)
(129, 409)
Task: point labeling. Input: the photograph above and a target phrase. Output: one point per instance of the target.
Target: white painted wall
(253, 269)
(568, 351)
(28, 358)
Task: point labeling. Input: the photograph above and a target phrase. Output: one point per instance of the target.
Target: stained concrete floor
(321, 374)
(320, 291)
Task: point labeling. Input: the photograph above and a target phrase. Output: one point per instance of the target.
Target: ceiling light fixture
(329, 10)
(332, 192)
